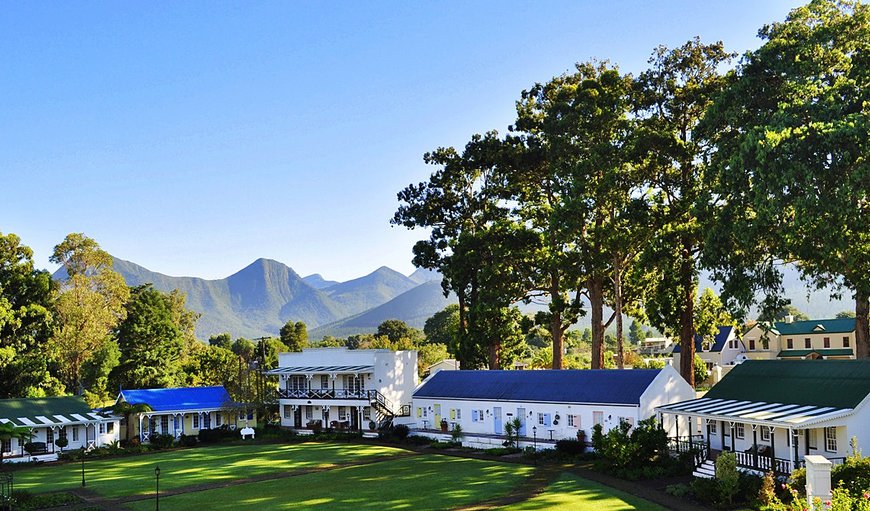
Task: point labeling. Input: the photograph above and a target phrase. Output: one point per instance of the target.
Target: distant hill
(372, 290)
(422, 275)
(414, 307)
(318, 282)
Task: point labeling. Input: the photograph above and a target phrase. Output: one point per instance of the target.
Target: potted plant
(61, 442)
(372, 425)
(581, 436)
(444, 425)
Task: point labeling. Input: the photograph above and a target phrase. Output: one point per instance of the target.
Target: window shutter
(419, 412)
(547, 420)
(453, 414)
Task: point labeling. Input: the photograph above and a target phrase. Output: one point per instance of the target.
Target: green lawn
(419, 483)
(572, 492)
(134, 475)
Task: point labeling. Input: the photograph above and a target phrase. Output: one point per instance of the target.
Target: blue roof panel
(183, 398)
(718, 341)
(565, 386)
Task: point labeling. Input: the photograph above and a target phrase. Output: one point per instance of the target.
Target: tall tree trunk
(557, 332)
(687, 327)
(462, 333)
(617, 299)
(862, 326)
(494, 355)
(596, 304)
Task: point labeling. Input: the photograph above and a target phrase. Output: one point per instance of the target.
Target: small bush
(501, 451)
(211, 436)
(25, 501)
(571, 447)
(679, 490)
(726, 474)
(706, 490)
(187, 441)
(158, 441)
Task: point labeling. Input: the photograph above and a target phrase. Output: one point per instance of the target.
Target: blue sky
(195, 137)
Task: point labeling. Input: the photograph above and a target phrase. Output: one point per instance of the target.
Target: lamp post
(83, 467)
(157, 492)
(535, 437)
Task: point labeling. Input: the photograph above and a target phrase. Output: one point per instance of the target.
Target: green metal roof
(816, 326)
(825, 352)
(834, 383)
(47, 411)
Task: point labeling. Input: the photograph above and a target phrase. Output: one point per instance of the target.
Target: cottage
(725, 350)
(772, 413)
(550, 405)
(182, 411)
(795, 340)
(344, 389)
(51, 418)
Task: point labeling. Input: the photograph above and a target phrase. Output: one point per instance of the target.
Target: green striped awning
(756, 412)
(48, 411)
(824, 352)
(322, 369)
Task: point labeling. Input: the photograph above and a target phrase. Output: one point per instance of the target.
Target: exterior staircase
(706, 470)
(385, 408)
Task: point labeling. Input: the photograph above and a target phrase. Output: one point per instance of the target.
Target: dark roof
(825, 352)
(718, 342)
(835, 383)
(566, 386)
(184, 398)
(46, 411)
(816, 326)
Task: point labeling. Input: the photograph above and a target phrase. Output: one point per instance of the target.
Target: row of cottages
(52, 418)
(550, 405)
(773, 413)
(182, 411)
(344, 389)
(795, 340)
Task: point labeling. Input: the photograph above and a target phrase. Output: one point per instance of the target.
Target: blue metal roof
(565, 386)
(183, 398)
(718, 341)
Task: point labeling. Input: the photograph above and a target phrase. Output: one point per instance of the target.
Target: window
(6, 446)
(196, 421)
(808, 343)
(309, 412)
(458, 414)
(251, 414)
(713, 426)
(102, 428)
(296, 383)
(367, 413)
(751, 344)
(324, 381)
(845, 342)
(831, 439)
(206, 421)
(544, 419)
(49, 435)
(288, 412)
(740, 431)
(176, 423)
(75, 434)
(571, 421)
(765, 434)
(342, 413)
(218, 419)
(598, 418)
(164, 424)
(827, 341)
(789, 344)
(353, 384)
(541, 419)
(811, 433)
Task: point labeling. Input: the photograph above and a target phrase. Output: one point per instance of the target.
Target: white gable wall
(666, 388)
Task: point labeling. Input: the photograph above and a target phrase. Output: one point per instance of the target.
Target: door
(496, 420)
(437, 416)
(521, 415)
(297, 417)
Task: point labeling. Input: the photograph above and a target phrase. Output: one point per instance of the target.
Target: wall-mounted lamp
(609, 417)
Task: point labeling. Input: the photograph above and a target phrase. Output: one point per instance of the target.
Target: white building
(725, 350)
(344, 389)
(772, 413)
(551, 405)
(51, 418)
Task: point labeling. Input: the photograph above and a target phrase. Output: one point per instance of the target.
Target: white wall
(666, 388)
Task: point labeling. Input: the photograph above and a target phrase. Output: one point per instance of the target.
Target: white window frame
(831, 439)
(459, 414)
(75, 433)
(309, 412)
(598, 418)
(739, 431)
(713, 426)
(765, 434)
(195, 422)
(541, 419)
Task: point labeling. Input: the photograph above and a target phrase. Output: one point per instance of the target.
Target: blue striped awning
(781, 415)
(321, 369)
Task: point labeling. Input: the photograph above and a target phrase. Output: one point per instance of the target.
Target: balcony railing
(763, 462)
(323, 393)
(694, 444)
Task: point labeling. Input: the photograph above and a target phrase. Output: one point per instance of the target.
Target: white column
(140, 427)
(818, 479)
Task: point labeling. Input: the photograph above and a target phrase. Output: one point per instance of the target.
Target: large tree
(672, 98)
(791, 136)
(90, 305)
(151, 341)
(26, 300)
(294, 335)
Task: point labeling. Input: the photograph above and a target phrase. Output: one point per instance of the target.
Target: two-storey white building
(344, 389)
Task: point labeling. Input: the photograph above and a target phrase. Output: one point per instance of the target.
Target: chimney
(789, 319)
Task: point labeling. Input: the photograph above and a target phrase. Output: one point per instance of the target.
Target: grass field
(419, 482)
(117, 477)
(572, 492)
(348, 476)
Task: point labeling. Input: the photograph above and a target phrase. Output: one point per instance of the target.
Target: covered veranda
(764, 436)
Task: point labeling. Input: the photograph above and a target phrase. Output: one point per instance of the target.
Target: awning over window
(756, 412)
(41, 421)
(322, 369)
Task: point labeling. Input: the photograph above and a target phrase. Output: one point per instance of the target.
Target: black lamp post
(83, 467)
(157, 493)
(535, 437)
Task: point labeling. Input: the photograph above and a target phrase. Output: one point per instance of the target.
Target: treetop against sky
(194, 138)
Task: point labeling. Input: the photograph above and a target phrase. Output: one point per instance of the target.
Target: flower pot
(444, 426)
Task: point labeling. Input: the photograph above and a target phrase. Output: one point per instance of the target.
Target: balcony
(323, 394)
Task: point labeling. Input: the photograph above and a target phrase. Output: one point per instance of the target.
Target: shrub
(767, 492)
(456, 434)
(726, 474)
(187, 441)
(211, 436)
(159, 441)
(634, 453)
(571, 447)
(679, 490)
(706, 490)
(501, 451)
(61, 442)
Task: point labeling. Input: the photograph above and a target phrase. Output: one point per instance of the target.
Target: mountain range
(259, 299)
